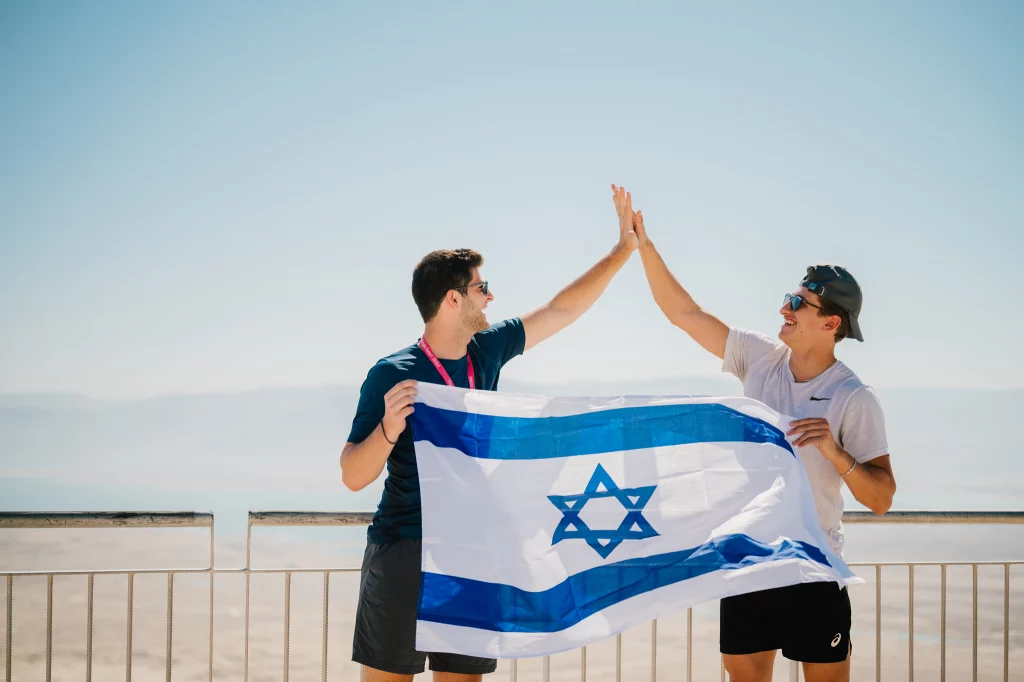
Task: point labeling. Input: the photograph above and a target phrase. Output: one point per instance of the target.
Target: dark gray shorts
(385, 634)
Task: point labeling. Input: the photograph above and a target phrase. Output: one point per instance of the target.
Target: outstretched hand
(638, 227)
(627, 218)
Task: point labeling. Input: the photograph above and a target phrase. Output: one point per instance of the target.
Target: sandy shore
(98, 549)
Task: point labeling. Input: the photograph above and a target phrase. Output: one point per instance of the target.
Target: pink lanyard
(440, 370)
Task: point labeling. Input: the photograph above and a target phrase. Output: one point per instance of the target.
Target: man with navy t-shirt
(458, 348)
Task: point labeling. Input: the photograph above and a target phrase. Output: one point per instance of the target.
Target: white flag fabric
(550, 523)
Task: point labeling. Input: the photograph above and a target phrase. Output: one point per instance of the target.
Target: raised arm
(575, 299)
(674, 301)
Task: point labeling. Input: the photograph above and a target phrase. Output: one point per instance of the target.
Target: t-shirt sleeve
(370, 410)
(503, 341)
(743, 348)
(862, 431)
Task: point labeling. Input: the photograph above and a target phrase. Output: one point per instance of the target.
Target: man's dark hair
(437, 273)
(827, 310)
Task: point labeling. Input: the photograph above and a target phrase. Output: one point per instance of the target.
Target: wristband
(385, 434)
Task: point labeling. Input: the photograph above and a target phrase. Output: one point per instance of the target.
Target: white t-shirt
(850, 406)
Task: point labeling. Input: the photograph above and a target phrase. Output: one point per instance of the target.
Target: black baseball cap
(836, 285)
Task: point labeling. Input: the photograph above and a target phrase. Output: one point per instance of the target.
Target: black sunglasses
(794, 302)
(484, 289)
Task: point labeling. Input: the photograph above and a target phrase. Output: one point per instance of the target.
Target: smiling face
(805, 327)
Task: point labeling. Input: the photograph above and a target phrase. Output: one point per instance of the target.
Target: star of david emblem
(633, 527)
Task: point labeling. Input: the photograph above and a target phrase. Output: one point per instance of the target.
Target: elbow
(348, 477)
(884, 502)
(351, 482)
(881, 506)
(668, 309)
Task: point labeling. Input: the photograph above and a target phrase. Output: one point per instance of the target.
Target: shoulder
(853, 392)
(504, 327)
(862, 429)
(394, 368)
(747, 336)
(499, 335)
(753, 344)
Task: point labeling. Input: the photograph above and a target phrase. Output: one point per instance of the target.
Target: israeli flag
(550, 523)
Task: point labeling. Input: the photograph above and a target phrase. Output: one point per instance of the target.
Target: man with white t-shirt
(836, 413)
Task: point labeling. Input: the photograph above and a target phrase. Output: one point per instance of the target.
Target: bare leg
(374, 675)
(828, 672)
(750, 667)
(456, 677)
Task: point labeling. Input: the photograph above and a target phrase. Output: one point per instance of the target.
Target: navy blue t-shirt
(398, 514)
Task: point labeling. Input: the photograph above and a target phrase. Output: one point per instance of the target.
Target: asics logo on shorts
(835, 641)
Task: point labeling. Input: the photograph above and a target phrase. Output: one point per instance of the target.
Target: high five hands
(631, 223)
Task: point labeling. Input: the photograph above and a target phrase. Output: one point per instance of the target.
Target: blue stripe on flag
(503, 608)
(626, 428)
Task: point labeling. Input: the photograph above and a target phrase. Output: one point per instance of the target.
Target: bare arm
(872, 483)
(362, 463)
(575, 299)
(675, 302)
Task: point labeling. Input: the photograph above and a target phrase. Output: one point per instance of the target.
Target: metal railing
(290, 518)
(936, 517)
(105, 520)
(298, 518)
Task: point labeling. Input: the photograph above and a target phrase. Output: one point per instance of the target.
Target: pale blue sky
(215, 196)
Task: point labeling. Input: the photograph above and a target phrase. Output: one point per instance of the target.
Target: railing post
(327, 593)
(170, 623)
(248, 578)
(88, 628)
(878, 623)
(211, 599)
(1006, 622)
(942, 625)
(689, 645)
(49, 627)
(287, 622)
(654, 650)
(910, 624)
(974, 629)
(10, 623)
(128, 618)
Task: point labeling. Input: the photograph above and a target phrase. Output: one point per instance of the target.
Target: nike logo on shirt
(819, 399)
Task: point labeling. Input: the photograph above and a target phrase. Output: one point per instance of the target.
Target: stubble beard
(473, 320)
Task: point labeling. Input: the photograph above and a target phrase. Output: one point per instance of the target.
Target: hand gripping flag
(550, 523)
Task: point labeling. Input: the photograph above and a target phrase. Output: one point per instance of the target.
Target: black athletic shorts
(810, 622)
(385, 635)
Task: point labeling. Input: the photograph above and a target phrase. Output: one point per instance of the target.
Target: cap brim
(855, 329)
